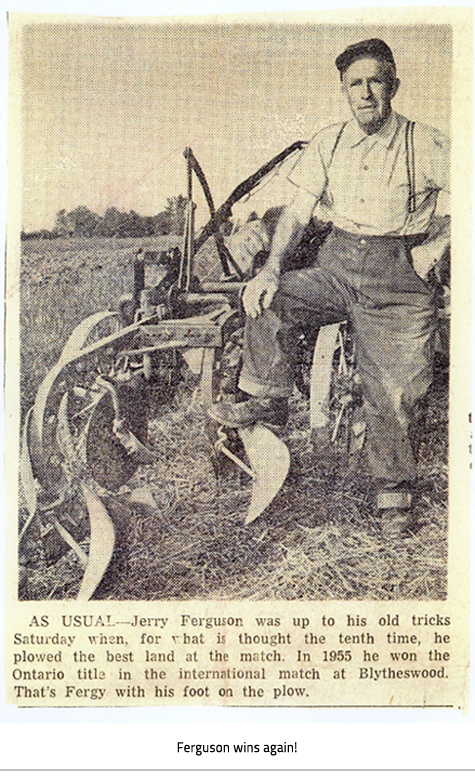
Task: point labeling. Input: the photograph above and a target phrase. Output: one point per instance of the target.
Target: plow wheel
(336, 423)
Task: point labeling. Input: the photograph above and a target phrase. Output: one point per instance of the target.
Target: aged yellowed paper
(187, 523)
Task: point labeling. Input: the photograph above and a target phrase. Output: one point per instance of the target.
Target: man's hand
(260, 291)
(424, 258)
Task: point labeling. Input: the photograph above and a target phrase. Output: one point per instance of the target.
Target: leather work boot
(272, 412)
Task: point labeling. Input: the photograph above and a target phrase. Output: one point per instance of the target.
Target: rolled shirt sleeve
(432, 151)
(309, 172)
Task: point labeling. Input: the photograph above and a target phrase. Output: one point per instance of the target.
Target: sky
(108, 107)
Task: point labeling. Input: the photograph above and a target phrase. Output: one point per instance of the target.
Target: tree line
(82, 222)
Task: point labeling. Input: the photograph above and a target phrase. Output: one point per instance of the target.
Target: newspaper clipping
(238, 400)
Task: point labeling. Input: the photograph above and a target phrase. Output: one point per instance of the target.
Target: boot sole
(216, 417)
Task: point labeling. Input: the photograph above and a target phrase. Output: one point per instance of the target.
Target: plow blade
(28, 481)
(101, 546)
(270, 462)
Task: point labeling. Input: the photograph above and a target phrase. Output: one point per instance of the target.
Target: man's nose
(366, 92)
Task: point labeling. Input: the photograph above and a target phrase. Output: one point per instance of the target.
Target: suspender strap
(411, 166)
(338, 138)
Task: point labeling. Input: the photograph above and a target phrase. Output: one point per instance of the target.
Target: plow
(87, 432)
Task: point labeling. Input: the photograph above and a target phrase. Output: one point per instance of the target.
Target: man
(377, 179)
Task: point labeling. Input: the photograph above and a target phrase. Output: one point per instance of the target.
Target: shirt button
(366, 167)
(361, 200)
(362, 241)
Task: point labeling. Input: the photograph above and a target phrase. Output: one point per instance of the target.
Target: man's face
(369, 87)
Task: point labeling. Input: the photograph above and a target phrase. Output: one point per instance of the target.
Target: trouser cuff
(393, 499)
(250, 386)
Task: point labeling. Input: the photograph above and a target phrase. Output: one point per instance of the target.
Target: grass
(318, 540)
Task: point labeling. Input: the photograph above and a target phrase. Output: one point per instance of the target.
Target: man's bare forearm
(289, 230)
(287, 236)
(260, 291)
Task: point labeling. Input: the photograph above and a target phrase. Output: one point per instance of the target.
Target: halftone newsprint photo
(237, 394)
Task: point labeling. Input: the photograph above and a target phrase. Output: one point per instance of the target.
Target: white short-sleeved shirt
(362, 181)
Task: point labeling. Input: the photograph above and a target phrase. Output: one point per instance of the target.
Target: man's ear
(395, 87)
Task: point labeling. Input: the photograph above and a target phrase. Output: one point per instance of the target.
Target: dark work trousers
(370, 282)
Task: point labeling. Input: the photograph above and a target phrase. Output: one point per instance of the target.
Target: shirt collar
(384, 136)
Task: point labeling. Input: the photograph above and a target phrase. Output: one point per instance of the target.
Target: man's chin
(369, 123)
